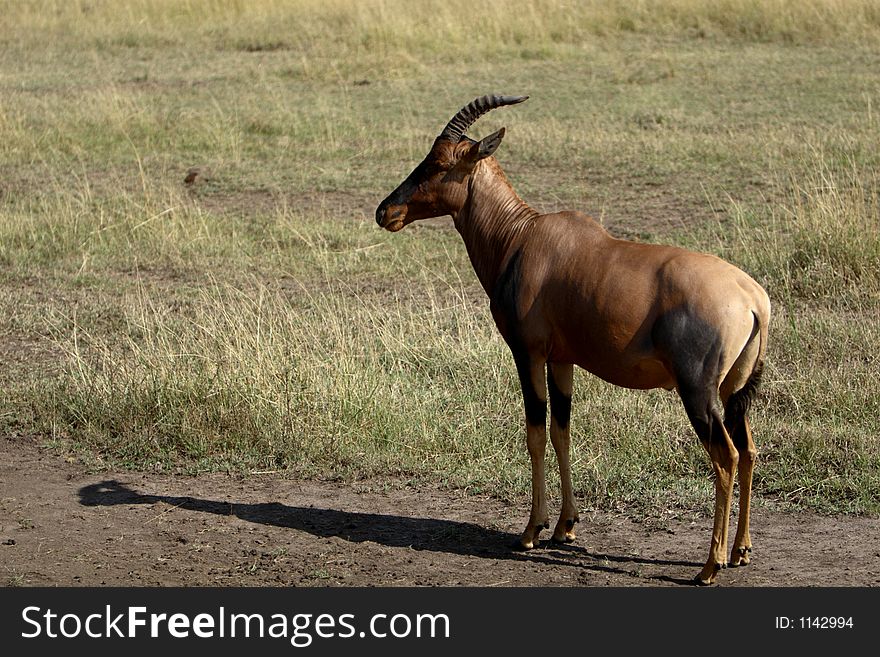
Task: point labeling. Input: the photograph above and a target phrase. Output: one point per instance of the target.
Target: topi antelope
(563, 292)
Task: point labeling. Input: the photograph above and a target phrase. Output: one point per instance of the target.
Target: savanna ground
(216, 369)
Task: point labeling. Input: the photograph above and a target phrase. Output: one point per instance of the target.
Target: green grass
(258, 319)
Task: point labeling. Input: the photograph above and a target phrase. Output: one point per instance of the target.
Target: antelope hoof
(707, 575)
(564, 532)
(740, 557)
(529, 538)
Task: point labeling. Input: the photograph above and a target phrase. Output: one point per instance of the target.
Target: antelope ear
(490, 144)
(484, 148)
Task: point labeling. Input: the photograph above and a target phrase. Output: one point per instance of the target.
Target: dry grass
(258, 318)
(424, 28)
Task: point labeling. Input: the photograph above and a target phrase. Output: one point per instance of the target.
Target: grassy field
(256, 319)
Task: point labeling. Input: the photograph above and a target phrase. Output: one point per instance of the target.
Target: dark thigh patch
(691, 345)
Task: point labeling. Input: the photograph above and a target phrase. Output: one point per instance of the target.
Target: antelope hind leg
(740, 555)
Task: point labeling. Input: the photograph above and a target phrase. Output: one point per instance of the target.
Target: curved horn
(474, 110)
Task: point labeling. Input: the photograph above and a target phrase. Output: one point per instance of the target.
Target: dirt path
(60, 525)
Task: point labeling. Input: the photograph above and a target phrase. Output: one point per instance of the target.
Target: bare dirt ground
(62, 525)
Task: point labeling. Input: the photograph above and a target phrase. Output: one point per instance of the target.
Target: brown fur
(563, 291)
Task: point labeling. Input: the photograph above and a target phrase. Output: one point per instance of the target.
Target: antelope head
(438, 186)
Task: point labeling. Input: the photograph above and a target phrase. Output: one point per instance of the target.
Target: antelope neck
(491, 222)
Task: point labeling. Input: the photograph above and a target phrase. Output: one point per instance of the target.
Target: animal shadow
(423, 534)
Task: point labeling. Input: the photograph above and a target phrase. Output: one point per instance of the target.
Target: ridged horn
(466, 116)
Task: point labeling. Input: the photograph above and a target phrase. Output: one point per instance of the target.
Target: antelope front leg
(533, 381)
(559, 384)
(538, 519)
